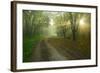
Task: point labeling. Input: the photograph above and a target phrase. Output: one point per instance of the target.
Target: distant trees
(37, 22)
(34, 22)
(66, 21)
(61, 24)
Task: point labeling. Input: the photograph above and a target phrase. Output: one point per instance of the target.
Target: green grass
(29, 43)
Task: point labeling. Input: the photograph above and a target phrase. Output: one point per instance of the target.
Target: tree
(34, 22)
(61, 24)
(74, 19)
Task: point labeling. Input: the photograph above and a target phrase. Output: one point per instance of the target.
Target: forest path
(46, 52)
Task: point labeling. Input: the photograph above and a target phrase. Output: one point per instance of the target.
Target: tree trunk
(74, 35)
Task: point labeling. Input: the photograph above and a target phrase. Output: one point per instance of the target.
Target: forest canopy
(60, 24)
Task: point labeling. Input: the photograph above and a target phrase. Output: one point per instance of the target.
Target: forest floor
(56, 49)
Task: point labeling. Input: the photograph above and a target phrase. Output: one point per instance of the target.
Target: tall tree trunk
(74, 35)
(73, 26)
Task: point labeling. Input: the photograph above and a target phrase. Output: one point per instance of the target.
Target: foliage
(34, 22)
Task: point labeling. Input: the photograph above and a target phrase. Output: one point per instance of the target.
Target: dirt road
(45, 52)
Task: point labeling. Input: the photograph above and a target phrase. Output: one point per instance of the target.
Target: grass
(29, 43)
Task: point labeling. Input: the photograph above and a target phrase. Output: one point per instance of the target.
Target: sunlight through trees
(71, 29)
